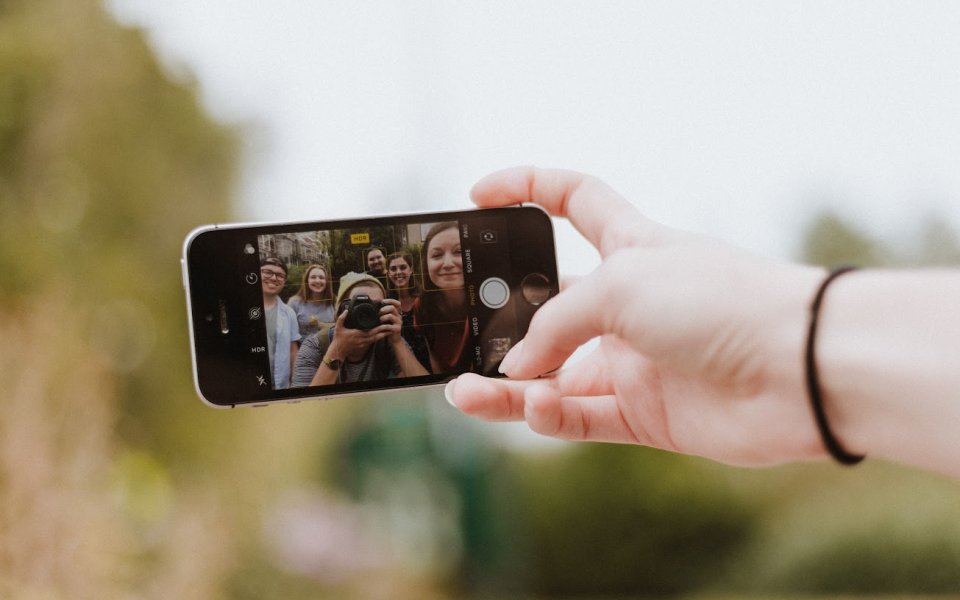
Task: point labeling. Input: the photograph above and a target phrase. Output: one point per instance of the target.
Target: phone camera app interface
(382, 301)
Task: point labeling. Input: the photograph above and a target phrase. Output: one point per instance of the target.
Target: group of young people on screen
(422, 330)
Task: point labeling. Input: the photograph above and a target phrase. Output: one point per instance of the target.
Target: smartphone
(288, 311)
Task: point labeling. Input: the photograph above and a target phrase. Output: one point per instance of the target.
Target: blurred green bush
(612, 520)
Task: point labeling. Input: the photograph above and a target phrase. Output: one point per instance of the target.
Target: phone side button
(183, 272)
(261, 405)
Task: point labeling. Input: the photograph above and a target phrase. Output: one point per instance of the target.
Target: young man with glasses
(283, 334)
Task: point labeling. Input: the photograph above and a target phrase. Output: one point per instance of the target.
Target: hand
(391, 321)
(700, 343)
(348, 342)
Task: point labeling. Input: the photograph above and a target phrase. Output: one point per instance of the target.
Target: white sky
(738, 119)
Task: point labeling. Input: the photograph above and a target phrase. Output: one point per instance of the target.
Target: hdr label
(258, 349)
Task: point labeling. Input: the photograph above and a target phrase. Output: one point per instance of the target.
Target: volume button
(183, 272)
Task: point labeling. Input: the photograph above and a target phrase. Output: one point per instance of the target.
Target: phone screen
(270, 305)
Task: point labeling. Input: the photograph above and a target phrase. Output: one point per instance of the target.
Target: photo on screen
(411, 272)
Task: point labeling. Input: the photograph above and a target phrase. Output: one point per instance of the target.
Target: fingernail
(448, 392)
(510, 360)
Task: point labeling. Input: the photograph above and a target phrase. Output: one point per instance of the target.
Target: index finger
(599, 213)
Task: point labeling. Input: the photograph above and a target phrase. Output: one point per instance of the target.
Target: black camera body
(362, 312)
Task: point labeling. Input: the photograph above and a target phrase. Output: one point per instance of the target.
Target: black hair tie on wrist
(830, 441)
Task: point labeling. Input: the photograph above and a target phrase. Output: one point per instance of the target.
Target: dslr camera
(362, 312)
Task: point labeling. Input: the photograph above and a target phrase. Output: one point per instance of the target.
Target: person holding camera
(364, 344)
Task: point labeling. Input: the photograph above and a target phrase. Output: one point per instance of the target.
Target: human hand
(391, 322)
(350, 342)
(701, 344)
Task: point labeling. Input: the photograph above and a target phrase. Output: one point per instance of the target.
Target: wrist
(333, 364)
(831, 442)
(334, 352)
(792, 431)
(889, 390)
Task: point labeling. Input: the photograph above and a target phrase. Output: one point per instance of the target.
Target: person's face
(373, 291)
(375, 261)
(444, 263)
(272, 279)
(317, 281)
(399, 273)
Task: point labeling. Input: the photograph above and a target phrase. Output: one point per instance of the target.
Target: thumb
(564, 323)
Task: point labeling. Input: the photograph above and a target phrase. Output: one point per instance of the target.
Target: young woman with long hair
(440, 312)
(402, 285)
(313, 302)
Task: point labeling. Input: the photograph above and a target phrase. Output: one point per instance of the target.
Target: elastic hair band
(830, 441)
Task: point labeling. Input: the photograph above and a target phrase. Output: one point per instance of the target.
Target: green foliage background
(116, 482)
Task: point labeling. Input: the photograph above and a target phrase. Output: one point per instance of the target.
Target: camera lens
(366, 316)
(536, 288)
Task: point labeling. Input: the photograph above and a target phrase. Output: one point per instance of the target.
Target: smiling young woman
(402, 284)
(313, 302)
(440, 313)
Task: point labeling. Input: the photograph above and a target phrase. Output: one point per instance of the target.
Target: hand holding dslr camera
(362, 312)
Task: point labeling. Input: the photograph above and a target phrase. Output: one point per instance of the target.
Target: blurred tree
(939, 244)
(830, 241)
(105, 164)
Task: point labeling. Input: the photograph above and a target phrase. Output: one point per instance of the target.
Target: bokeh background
(819, 131)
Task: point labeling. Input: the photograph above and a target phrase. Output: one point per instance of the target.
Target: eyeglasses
(278, 276)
